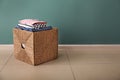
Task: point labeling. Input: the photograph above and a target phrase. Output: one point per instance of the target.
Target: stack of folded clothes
(33, 25)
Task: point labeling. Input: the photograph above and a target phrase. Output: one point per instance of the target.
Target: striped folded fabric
(33, 25)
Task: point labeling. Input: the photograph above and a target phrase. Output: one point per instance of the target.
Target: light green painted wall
(79, 21)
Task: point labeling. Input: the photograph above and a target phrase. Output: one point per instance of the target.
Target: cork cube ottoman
(35, 47)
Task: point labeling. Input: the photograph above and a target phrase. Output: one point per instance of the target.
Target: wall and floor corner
(79, 21)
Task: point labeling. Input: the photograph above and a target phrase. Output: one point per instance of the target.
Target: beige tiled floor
(73, 63)
(5, 53)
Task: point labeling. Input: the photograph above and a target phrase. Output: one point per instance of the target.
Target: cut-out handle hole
(22, 46)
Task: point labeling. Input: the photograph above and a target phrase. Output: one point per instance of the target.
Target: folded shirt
(32, 29)
(26, 26)
(33, 25)
(32, 22)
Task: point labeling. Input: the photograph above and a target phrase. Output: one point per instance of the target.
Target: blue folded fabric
(34, 29)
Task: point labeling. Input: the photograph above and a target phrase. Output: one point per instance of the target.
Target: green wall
(79, 21)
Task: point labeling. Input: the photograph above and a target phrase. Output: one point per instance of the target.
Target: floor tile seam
(70, 64)
(7, 60)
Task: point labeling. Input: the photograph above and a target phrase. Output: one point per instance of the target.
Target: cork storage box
(35, 47)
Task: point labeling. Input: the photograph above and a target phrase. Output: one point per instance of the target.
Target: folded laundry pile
(33, 25)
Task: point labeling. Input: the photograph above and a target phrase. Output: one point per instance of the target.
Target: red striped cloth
(32, 22)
